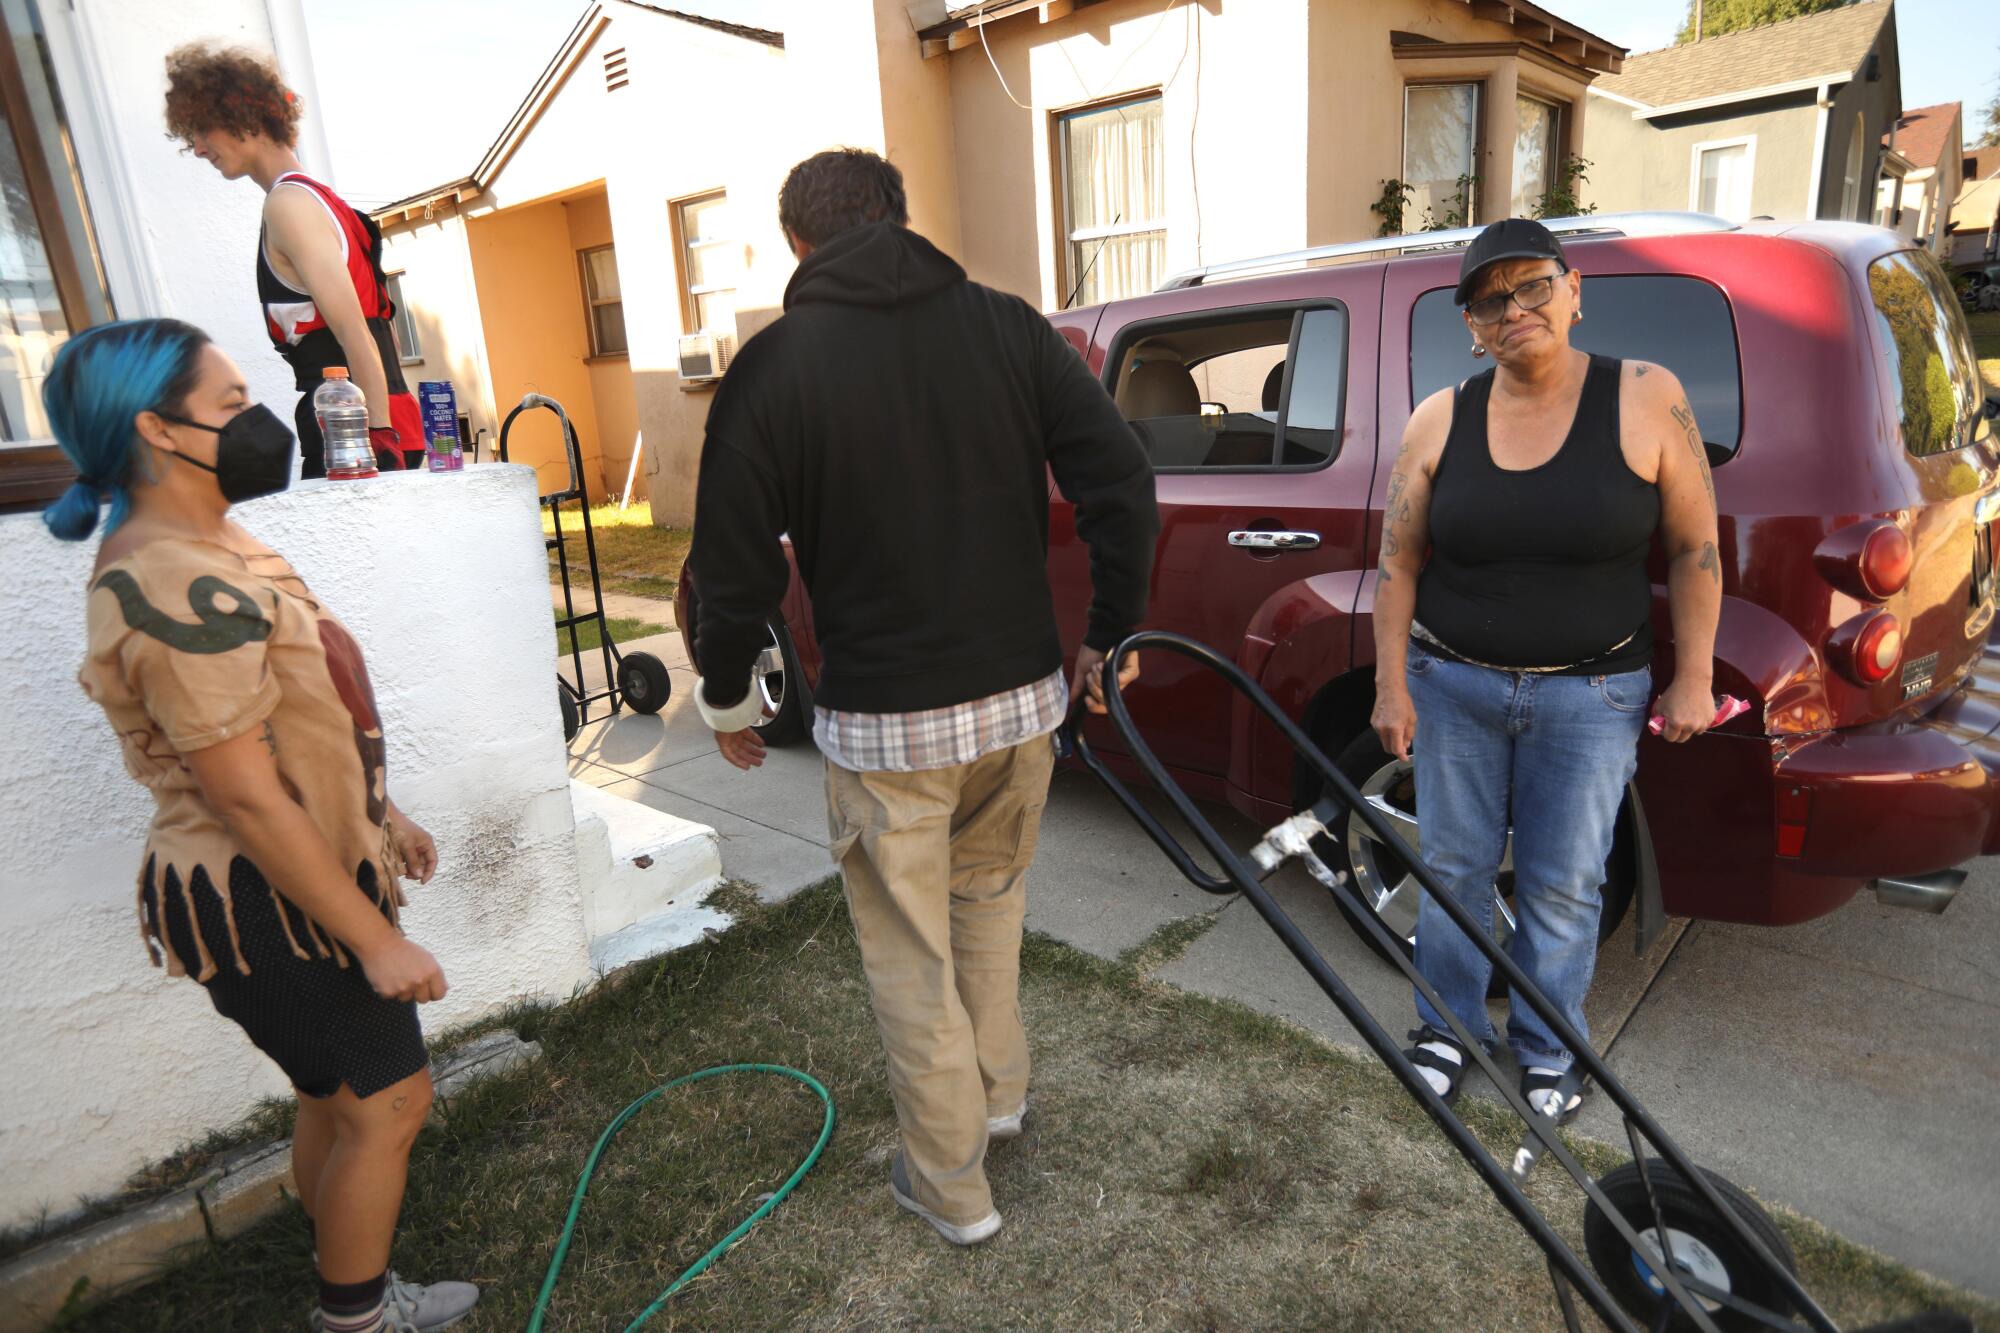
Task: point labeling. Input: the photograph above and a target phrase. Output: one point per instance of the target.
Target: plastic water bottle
(343, 424)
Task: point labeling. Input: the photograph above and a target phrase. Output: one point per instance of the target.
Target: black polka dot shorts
(321, 1022)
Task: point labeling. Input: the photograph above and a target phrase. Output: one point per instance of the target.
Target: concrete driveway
(1849, 1068)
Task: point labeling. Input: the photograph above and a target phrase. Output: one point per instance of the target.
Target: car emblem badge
(1917, 675)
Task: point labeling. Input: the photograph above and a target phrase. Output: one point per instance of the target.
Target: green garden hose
(611, 1130)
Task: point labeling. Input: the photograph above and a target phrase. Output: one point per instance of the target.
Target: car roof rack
(1599, 224)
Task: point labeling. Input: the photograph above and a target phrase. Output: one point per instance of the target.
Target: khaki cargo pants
(936, 868)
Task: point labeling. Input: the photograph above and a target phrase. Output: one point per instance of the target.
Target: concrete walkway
(1848, 1068)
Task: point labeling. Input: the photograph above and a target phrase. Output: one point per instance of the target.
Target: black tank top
(1543, 568)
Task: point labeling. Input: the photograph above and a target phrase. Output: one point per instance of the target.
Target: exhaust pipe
(1926, 893)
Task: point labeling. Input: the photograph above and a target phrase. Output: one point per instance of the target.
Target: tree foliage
(1722, 16)
(1989, 133)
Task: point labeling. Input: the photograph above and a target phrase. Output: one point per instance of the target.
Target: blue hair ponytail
(103, 378)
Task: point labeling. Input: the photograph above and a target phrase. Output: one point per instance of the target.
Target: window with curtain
(1723, 184)
(1114, 200)
(51, 281)
(605, 299)
(1850, 185)
(1537, 154)
(709, 262)
(1440, 139)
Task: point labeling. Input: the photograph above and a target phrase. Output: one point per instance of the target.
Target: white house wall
(114, 1065)
(178, 239)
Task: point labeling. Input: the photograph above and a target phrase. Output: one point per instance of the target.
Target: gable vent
(615, 76)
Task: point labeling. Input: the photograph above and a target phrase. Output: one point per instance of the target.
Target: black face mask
(253, 453)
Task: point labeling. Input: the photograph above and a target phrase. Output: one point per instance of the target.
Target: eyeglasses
(1531, 295)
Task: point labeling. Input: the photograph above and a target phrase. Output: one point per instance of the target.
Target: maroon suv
(1833, 377)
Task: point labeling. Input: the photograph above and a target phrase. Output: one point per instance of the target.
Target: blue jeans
(1556, 751)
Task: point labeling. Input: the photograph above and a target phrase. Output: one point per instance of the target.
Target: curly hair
(232, 89)
(839, 190)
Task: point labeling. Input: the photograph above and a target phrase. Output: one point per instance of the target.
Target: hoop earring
(1479, 349)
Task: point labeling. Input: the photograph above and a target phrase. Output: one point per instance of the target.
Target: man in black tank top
(1514, 636)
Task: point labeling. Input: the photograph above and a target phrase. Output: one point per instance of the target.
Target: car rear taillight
(1868, 648)
(1886, 558)
(1870, 560)
(1794, 812)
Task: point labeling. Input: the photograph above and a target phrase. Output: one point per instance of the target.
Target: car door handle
(1261, 540)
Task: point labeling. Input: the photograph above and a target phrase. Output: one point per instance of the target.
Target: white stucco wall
(441, 579)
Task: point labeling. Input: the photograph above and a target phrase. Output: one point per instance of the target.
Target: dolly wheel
(571, 723)
(643, 680)
(1705, 1246)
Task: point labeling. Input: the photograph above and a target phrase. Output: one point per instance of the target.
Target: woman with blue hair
(270, 873)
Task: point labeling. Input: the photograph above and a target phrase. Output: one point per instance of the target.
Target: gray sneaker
(424, 1308)
(1000, 1128)
(971, 1233)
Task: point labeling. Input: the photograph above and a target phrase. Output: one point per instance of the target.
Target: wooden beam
(1497, 10)
(934, 46)
(961, 39)
(1056, 9)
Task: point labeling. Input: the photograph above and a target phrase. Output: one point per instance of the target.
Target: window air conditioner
(704, 356)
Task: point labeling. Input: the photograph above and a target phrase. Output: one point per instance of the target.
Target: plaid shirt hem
(941, 737)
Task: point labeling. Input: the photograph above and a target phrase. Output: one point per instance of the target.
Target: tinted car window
(1681, 323)
(1211, 392)
(1929, 351)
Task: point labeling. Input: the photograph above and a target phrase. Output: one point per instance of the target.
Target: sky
(455, 83)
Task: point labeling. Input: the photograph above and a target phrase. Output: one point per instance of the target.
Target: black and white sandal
(1453, 1071)
(1537, 1084)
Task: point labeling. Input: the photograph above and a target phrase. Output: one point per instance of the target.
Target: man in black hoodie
(900, 423)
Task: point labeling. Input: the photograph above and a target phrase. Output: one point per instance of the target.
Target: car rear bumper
(1907, 796)
(1899, 800)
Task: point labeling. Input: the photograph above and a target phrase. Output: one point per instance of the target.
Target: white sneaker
(1000, 1128)
(970, 1233)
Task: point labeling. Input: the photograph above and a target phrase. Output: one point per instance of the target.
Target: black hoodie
(900, 423)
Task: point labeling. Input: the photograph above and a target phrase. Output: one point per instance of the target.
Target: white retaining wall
(108, 1064)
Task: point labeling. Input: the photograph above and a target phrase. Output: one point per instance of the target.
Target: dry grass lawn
(1189, 1165)
(633, 556)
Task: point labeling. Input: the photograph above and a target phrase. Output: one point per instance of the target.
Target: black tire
(571, 722)
(1715, 1252)
(644, 682)
(787, 725)
(1368, 766)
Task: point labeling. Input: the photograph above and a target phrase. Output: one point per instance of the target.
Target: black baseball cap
(1509, 238)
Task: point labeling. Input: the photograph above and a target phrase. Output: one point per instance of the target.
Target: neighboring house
(1917, 200)
(1070, 151)
(1975, 217)
(1783, 121)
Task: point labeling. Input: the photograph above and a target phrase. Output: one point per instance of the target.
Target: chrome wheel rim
(769, 673)
(1381, 877)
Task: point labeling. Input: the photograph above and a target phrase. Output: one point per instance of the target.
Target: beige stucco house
(621, 237)
(1916, 200)
(1783, 121)
(1975, 215)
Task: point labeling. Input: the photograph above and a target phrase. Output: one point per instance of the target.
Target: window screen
(1256, 390)
(1681, 323)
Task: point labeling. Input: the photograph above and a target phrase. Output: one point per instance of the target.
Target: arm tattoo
(1639, 371)
(1711, 562)
(270, 740)
(1684, 414)
(1395, 509)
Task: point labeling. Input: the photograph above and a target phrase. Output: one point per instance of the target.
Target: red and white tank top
(289, 314)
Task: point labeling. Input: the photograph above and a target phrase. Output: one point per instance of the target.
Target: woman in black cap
(1514, 661)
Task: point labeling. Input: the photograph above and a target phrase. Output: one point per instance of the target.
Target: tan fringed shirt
(193, 644)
